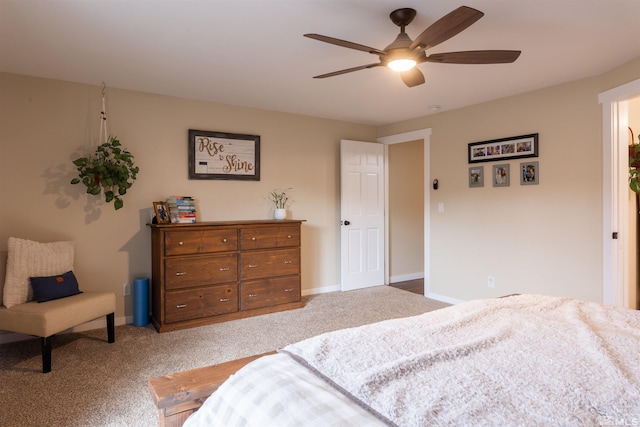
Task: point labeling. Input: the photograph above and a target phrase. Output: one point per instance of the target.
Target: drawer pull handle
(254, 239)
(224, 269)
(289, 236)
(180, 243)
(224, 240)
(253, 295)
(181, 273)
(253, 265)
(224, 299)
(288, 290)
(288, 262)
(181, 305)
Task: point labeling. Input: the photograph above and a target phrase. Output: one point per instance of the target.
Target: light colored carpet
(93, 383)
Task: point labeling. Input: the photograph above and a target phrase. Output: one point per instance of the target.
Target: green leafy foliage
(634, 162)
(280, 198)
(110, 169)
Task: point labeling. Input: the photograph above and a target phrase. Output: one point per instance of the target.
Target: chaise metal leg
(111, 330)
(46, 354)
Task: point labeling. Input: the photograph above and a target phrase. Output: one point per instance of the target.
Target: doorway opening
(615, 195)
(424, 136)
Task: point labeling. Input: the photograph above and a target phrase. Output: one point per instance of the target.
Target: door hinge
(614, 235)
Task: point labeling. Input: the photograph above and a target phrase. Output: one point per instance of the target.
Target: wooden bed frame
(179, 395)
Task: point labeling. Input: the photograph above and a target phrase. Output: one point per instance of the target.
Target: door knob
(347, 223)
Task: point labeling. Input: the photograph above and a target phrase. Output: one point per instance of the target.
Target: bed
(524, 360)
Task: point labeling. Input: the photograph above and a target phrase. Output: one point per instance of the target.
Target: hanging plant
(109, 170)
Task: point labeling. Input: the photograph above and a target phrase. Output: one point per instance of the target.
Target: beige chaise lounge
(62, 305)
(49, 318)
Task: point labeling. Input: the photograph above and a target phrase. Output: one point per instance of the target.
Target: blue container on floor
(141, 301)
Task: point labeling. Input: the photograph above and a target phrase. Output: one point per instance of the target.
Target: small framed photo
(501, 175)
(476, 176)
(529, 173)
(162, 212)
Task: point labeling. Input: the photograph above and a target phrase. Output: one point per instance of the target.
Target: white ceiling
(253, 53)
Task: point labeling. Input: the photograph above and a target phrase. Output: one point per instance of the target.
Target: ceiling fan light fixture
(402, 64)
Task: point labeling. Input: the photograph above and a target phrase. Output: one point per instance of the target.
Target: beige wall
(44, 124)
(406, 210)
(543, 239)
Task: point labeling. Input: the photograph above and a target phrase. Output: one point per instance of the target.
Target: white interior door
(362, 214)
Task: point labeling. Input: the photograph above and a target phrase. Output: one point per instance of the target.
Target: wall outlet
(491, 282)
(126, 289)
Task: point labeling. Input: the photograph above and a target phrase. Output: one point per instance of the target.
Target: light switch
(440, 207)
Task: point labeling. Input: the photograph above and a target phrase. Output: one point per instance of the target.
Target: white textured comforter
(517, 361)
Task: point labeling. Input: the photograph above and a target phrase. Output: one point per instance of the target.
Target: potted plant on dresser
(280, 199)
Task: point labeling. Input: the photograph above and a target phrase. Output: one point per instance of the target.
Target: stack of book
(182, 209)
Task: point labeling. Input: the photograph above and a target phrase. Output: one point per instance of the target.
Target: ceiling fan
(404, 54)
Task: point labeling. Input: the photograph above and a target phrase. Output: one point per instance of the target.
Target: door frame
(615, 203)
(425, 136)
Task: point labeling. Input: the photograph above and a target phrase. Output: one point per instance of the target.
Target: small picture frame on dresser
(162, 212)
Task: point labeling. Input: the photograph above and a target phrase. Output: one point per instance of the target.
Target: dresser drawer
(204, 302)
(268, 292)
(198, 271)
(277, 262)
(271, 237)
(187, 242)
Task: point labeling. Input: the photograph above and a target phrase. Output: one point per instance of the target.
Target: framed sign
(514, 147)
(220, 155)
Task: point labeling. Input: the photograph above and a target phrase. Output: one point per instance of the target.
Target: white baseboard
(444, 298)
(406, 277)
(323, 290)
(94, 324)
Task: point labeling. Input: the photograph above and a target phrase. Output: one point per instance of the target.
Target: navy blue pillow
(54, 287)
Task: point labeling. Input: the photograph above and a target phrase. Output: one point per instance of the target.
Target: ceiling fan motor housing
(399, 49)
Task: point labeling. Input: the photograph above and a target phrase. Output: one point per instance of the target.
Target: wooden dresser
(212, 272)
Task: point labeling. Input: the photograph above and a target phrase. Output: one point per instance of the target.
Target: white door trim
(424, 135)
(615, 206)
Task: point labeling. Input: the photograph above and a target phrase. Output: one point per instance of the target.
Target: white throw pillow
(26, 259)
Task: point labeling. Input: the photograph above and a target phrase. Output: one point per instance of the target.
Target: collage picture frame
(514, 147)
(522, 146)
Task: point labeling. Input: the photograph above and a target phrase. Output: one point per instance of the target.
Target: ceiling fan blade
(345, 43)
(475, 57)
(348, 70)
(413, 77)
(447, 27)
